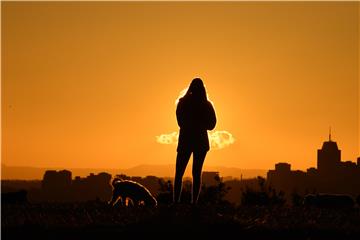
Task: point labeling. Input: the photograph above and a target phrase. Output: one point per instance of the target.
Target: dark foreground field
(96, 220)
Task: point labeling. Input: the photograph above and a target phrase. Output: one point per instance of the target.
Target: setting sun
(218, 139)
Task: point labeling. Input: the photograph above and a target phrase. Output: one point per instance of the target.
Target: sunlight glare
(217, 139)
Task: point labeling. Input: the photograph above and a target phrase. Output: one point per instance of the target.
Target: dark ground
(97, 220)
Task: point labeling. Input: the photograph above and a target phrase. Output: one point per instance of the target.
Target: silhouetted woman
(195, 115)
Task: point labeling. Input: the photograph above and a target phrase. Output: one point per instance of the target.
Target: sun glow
(170, 138)
(218, 139)
(183, 92)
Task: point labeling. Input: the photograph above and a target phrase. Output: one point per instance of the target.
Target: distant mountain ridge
(32, 173)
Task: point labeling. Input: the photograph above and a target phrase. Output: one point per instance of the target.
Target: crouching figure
(131, 191)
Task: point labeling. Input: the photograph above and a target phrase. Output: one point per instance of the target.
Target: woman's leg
(199, 157)
(182, 160)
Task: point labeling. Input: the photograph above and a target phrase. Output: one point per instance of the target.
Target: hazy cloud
(170, 138)
(218, 139)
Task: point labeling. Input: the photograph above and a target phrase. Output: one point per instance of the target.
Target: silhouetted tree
(122, 176)
(265, 196)
(165, 194)
(214, 194)
(18, 197)
(296, 199)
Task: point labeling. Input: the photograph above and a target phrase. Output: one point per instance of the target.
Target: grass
(97, 220)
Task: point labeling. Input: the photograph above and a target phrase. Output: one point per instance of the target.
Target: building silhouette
(331, 175)
(59, 186)
(56, 185)
(54, 180)
(210, 178)
(92, 187)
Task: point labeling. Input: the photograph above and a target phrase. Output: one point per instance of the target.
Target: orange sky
(93, 84)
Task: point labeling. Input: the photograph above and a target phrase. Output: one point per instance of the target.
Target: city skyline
(330, 175)
(168, 170)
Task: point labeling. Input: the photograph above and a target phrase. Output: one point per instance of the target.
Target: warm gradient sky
(92, 84)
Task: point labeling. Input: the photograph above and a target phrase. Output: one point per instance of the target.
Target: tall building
(328, 157)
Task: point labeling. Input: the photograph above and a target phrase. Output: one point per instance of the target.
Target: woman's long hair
(196, 91)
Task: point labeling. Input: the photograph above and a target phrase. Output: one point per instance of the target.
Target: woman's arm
(180, 113)
(211, 118)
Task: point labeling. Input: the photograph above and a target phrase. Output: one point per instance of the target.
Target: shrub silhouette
(325, 200)
(214, 194)
(296, 199)
(18, 197)
(208, 195)
(265, 196)
(165, 194)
